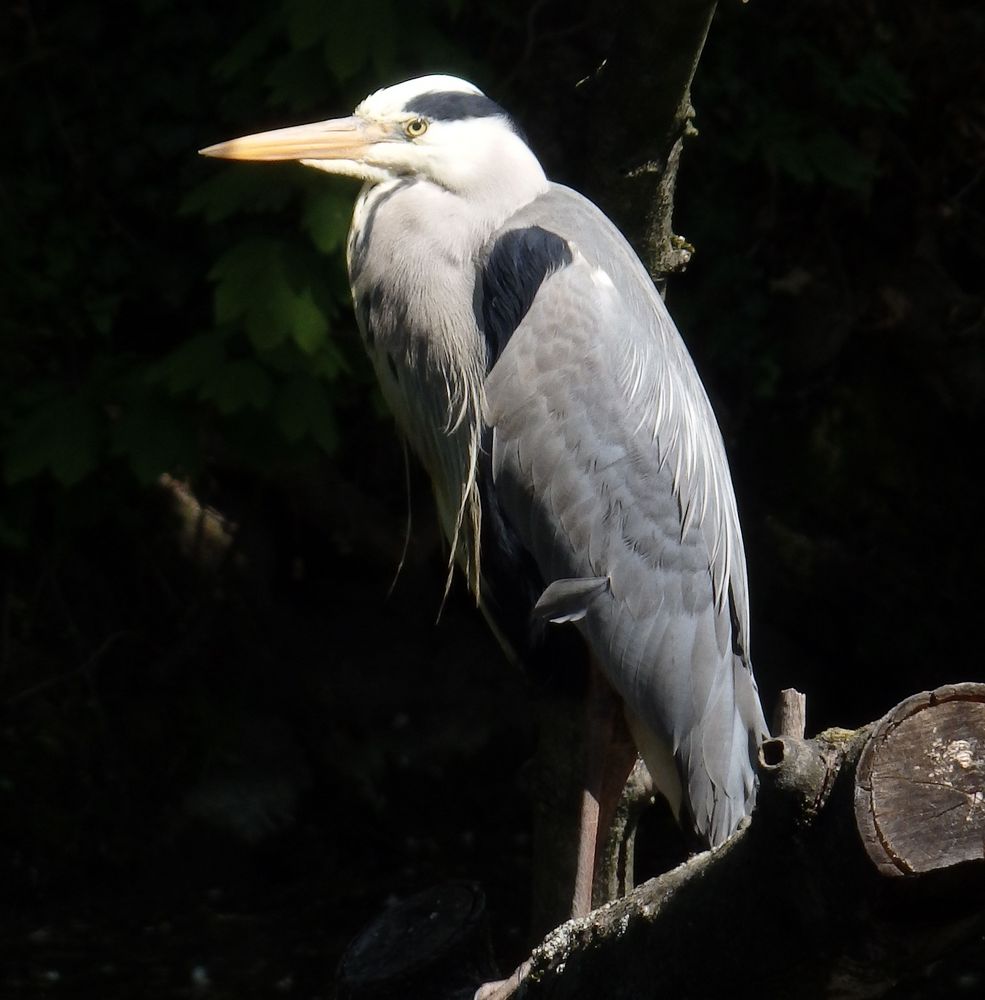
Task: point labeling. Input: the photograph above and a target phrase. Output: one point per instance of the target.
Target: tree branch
(863, 863)
(806, 880)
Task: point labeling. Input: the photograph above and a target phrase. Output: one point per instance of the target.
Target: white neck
(494, 170)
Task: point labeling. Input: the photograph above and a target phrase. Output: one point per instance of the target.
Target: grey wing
(607, 460)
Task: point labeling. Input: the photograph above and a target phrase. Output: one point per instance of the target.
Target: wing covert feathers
(608, 461)
(569, 600)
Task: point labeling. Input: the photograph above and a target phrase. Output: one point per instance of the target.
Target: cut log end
(920, 784)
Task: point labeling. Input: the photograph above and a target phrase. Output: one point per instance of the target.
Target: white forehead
(391, 100)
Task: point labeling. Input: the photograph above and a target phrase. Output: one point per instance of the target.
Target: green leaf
(356, 30)
(384, 45)
(328, 363)
(268, 316)
(309, 328)
(12, 536)
(289, 411)
(838, 161)
(244, 187)
(327, 215)
(790, 157)
(292, 79)
(311, 405)
(190, 364)
(306, 21)
(60, 436)
(103, 310)
(879, 86)
(248, 50)
(154, 439)
(237, 385)
(251, 284)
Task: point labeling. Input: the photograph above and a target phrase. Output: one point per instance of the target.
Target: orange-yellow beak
(336, 139)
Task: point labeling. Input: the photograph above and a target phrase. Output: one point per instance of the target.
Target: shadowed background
(222, 746)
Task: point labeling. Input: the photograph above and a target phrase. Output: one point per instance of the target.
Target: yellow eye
(416, 127)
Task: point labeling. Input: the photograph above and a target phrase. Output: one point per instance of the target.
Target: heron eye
(416, 127)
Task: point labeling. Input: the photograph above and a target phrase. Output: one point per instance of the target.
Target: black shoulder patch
(514, 270)
(453, 106)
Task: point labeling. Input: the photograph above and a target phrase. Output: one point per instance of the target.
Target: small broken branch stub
(790, 714)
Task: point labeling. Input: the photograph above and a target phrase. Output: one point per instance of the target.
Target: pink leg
(609, 757)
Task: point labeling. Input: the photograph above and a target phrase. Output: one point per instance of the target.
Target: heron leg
(610, 755)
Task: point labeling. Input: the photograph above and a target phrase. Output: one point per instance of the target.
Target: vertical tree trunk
(642, 94)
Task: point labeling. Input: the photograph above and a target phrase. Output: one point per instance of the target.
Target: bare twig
(790, 714)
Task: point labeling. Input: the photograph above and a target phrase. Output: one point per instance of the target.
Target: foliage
(823, 137)
(109, 355)
(820, 139)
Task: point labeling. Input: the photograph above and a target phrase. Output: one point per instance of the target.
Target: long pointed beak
(336, 139)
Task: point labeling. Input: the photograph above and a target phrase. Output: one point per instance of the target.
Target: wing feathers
(609, 463)
(569, 600)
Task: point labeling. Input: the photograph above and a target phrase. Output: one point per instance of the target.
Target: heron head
(436, 128)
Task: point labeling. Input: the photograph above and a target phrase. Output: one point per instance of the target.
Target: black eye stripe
(452, 105)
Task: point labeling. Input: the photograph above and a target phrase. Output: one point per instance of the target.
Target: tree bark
(804, 901)
(807, 901)
(790, 714)
(647, 77)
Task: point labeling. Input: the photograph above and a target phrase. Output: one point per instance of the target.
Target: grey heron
(579, 472)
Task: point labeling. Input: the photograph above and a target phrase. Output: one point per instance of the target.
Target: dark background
(223, 747)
